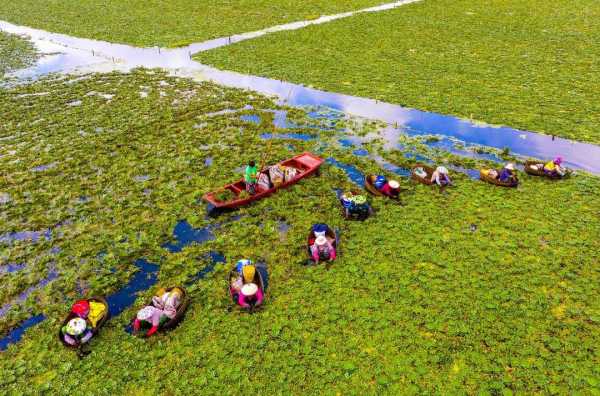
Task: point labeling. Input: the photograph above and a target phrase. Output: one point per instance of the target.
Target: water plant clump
(15, 53)
(182, 21)
(497, 63)
(417, 300)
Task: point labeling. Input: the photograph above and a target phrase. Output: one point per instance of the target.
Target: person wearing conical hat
(322, 249)
(245, 274)
(507, 174)
(440, 177)
(250, 296)
(77, 331)
(391, 188)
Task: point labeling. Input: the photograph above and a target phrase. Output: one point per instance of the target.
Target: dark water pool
(184, 235)
(356, 176)
(361, 152)
(215, 258)
(15, 334)
(253, 118)
(400, 171)
(10, 268)
(141, 280)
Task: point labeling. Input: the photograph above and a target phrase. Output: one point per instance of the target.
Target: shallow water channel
(74, 55)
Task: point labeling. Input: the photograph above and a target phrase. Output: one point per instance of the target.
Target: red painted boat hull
(306, 163)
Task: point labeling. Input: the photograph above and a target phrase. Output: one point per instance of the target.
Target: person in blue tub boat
(355, 205)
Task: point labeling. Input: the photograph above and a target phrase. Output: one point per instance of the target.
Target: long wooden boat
(329, 234)
(424, 180)
(539, 170)
(484, 176)
(370, 187)
(306, 164)
(181, 309)
(95, 330)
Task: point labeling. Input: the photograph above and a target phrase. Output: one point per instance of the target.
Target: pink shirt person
(322, 245)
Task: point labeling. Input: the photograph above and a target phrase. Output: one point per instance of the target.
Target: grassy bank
(494, 61)
(15, 53)
(170, 23)
(419, 301)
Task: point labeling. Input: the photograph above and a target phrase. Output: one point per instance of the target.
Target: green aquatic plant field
(15, 53)
(481, 290)
(531, 65)
(166, 23)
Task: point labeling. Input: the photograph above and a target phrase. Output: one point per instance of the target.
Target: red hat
(81, 308)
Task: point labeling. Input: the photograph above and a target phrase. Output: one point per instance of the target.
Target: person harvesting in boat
(505, 175)
(440, 177)
(554, 168)
(322, 249)
(251, 177)
(355, 204)
(80, 329)
(391, 188)
(77, 331)
(244, 289)
(164, 308)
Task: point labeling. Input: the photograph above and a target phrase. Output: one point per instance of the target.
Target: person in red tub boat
(244, 290)
(391, 188)
(322, 249)
(250, 296)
